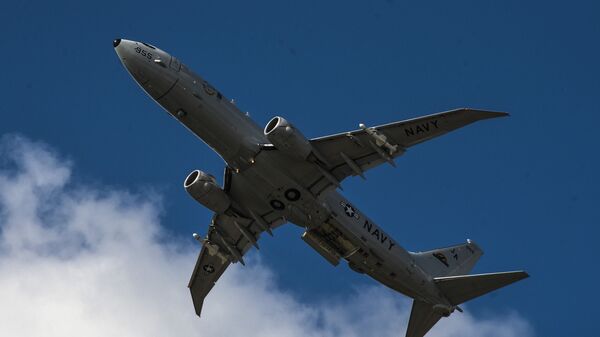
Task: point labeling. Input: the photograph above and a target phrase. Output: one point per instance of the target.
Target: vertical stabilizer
(422, 318)
(449, 261)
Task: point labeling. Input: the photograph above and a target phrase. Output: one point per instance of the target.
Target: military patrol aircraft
(275, 175)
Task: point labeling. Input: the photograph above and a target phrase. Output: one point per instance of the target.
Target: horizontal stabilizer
(422, 318)
(459, 289)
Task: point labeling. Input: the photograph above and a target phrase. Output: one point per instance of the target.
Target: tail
(446, 265)
(450, 261)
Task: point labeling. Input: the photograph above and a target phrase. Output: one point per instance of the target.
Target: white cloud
(80, 261)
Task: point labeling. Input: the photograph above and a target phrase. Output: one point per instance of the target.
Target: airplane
(274, 175)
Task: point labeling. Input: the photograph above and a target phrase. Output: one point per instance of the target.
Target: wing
(228, 239)
(209, 267)
(354, 152)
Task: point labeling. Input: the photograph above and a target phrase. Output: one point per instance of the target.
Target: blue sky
(524, 187)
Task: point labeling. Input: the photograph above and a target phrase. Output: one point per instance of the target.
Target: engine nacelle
(287, 138)
(204, 189)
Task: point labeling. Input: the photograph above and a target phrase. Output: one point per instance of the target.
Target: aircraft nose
(151, 67)
(123, 47)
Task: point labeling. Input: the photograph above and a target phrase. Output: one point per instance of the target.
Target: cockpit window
(148, 45)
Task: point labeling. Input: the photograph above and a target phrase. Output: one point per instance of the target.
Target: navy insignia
(209, 268)
(349, 210)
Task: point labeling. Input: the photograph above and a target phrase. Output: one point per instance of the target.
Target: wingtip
(520, 274)
(198, 308)
(487, 113)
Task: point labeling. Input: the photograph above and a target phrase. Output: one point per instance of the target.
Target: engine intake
(204, 189)
(287, 138)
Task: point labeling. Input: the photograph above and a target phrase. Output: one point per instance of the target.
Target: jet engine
(287, 138)
(204, 189)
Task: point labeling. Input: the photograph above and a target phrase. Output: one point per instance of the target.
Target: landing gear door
(175, 64)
